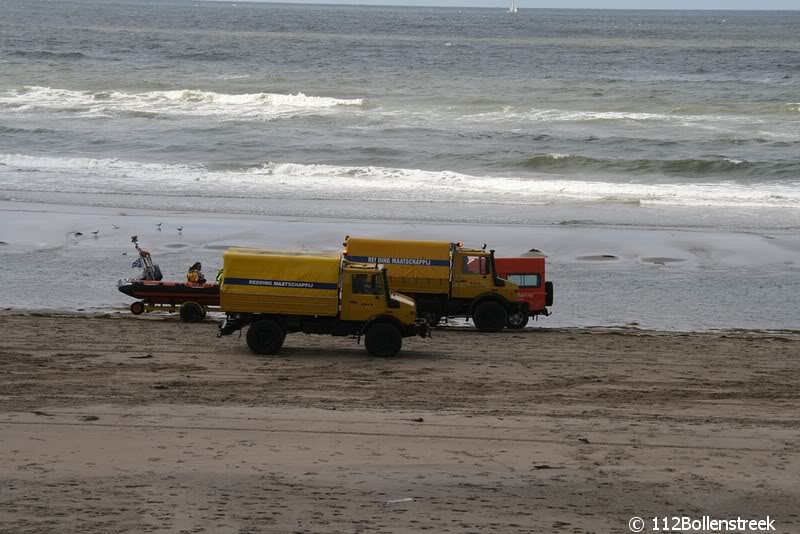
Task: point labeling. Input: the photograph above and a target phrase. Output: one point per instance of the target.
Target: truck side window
(365, 284)
(525, 280)
(474, 265)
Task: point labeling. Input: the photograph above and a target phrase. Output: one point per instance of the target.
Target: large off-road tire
(517, 320)
(137, 308)
(192, 312)
(490, 316)
(383, 340)
(265, 336)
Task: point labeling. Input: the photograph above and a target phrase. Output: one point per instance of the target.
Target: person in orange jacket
(195, 274)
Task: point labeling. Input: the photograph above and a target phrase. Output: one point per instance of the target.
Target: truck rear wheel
(191, 312)
(490, 316)
(383, 340)
(517, 320)
(265, 337)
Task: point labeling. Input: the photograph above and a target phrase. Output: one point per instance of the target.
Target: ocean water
(671, 120)
(540, 108)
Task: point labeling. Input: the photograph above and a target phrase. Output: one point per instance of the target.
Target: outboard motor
(150, 271)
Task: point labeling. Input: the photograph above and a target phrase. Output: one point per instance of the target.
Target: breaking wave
(704, 119)
(186, 102)
(300, 181)
(559, 115)
(714, 166)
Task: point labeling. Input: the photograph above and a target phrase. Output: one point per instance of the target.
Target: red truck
(528, 273)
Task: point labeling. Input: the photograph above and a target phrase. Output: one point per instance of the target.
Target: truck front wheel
(490, 316)
(265, 337)
(383, 340)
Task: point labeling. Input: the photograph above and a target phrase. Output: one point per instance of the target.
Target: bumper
(231, 323)
(520, 306)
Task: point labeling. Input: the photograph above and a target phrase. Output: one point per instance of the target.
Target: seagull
(158, 225)
(77, 234)
(180, 229)
(96, 232)
(115, 226)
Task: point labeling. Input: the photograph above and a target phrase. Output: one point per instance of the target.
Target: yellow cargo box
(261, 281)
(412, 266)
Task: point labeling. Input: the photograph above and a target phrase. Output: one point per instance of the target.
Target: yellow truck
(444, 279)
(278, 293)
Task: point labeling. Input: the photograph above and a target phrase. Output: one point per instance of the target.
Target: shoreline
(50, 227)
(612, 214)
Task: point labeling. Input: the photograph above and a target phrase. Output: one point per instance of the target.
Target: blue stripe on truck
(423, 262)
(280, 283)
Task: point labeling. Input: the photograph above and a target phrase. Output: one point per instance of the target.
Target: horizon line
(498, 6)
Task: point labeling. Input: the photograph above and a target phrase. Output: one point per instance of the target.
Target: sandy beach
(118, 424)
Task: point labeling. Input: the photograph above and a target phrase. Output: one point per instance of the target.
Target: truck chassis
(383, 336)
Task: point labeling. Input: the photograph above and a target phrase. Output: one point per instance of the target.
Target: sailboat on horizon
(513, 7)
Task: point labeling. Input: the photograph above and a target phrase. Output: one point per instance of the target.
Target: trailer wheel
(192, 312)
(265, 337)
(490, 316)
(137, 308)
(517, 320)
(383, 340)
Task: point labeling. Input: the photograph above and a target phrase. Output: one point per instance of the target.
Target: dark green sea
(538, 108)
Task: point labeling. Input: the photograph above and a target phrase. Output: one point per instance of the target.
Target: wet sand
(659, 278)
(121, 424)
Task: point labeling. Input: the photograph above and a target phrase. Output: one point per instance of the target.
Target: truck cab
(365, 294)
(472, 274)
(528, 273)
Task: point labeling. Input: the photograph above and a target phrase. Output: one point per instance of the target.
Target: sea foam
(319, 181)
(186, 102)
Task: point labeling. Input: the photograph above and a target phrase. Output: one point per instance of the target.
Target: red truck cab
(528, 273)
